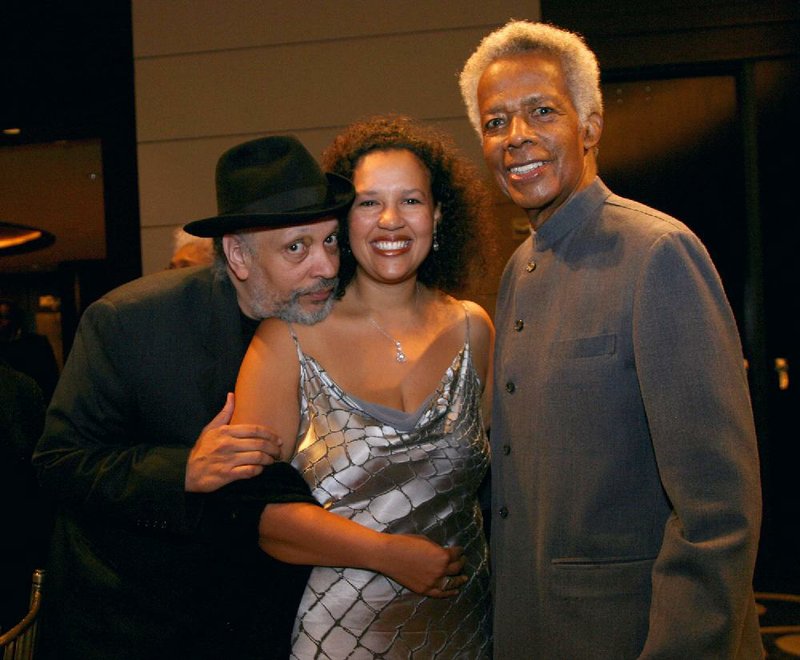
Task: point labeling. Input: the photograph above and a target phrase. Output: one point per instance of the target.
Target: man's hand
(224, 453)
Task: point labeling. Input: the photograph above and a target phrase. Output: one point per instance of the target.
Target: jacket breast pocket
(585, 347)
(601, 578)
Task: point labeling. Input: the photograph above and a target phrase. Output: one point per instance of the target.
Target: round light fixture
(18, 239)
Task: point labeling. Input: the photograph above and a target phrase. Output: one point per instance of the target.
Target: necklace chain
(400, 355)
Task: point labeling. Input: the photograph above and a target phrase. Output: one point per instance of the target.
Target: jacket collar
(225, 341)
(574, 212)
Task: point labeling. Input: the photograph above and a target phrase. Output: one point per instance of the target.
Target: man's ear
(237, 256)
(592, 130)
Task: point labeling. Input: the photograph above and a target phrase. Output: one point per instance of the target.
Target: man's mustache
(322, 285)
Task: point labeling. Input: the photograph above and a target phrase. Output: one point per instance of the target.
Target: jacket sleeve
(245, 499)
(693, 383)
(90, 457)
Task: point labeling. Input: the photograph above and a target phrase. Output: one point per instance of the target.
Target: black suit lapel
(224, 344)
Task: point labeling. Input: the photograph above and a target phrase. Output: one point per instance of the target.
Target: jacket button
(510, 387)
(506, 450)
(531, 266)
(503, 512)
(518, 325)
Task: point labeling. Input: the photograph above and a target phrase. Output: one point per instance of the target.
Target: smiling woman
(390, 436)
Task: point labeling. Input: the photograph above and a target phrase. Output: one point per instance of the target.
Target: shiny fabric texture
(419, 481)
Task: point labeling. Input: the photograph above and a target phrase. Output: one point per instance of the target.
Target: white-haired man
(625, 477)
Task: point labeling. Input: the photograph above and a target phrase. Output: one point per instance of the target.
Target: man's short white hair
(181, 238)
(581, 70)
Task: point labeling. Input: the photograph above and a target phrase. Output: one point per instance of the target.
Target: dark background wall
(68, 75)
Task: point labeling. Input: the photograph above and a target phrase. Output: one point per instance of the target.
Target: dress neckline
(387, 414)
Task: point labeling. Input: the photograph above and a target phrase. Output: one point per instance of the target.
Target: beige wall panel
(176, 179)
(166, 27)
(300, 86)
(159, 248)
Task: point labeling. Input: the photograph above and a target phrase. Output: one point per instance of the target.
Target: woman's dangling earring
(436, 237)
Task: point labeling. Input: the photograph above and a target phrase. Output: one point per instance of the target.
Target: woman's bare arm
(299, 533)
(482, 342)
(266, 388)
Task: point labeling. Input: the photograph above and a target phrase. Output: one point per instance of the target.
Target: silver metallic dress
(391, 471)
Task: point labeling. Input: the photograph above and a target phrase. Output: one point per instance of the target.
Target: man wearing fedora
(155, 548)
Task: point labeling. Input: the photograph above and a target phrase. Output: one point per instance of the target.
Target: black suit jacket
(139, 568)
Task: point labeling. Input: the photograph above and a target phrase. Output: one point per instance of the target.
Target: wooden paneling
(300, 86)
(159, 240)
(169, 27)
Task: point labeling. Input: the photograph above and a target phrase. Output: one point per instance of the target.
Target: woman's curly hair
(465, 226)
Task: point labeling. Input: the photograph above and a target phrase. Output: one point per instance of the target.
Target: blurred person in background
(26, 351)
(189, 250)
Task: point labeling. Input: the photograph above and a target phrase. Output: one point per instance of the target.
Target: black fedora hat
(272, 182)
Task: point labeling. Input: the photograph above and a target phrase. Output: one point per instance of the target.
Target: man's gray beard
(290, 310)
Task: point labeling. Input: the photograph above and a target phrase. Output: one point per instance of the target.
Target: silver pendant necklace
(400, 356)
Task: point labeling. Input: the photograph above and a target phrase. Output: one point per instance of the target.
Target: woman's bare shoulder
(478, 316)
(273, 333)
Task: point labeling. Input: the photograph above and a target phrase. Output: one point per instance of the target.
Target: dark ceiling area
(61, 63)
(68, 75)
